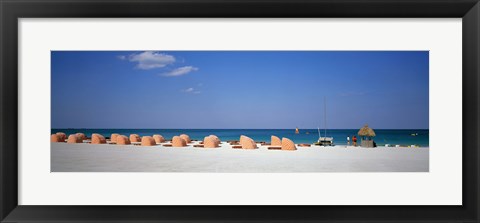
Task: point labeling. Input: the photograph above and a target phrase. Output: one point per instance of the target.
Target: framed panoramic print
(125, 111)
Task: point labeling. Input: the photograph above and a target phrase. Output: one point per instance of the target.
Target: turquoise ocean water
(384, 136)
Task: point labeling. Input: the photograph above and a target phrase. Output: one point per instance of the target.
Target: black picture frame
(12, 10)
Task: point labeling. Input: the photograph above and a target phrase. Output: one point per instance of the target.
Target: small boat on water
(324, 141)
(297, 131)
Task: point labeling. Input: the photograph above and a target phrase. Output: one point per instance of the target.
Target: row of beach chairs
(182, 140)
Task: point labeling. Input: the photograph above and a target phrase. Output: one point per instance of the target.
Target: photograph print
(239, 111)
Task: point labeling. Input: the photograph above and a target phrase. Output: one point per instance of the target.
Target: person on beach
(348, 140)
(354, 139)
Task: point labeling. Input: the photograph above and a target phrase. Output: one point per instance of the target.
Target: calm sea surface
(384, 136)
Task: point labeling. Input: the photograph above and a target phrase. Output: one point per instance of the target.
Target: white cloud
(121, 57)
(191, 91)
(180, 71)
(150, 60)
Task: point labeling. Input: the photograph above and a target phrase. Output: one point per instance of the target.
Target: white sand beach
(84, 157)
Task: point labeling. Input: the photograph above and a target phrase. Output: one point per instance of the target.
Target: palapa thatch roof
(366, 131)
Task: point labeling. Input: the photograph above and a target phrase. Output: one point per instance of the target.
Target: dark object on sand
(275, 147)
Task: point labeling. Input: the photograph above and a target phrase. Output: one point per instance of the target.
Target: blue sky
(239, 89)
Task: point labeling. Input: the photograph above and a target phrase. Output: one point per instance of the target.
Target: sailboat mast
(325, 114)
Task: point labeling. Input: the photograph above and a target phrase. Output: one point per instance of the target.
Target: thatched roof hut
(366, 131)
